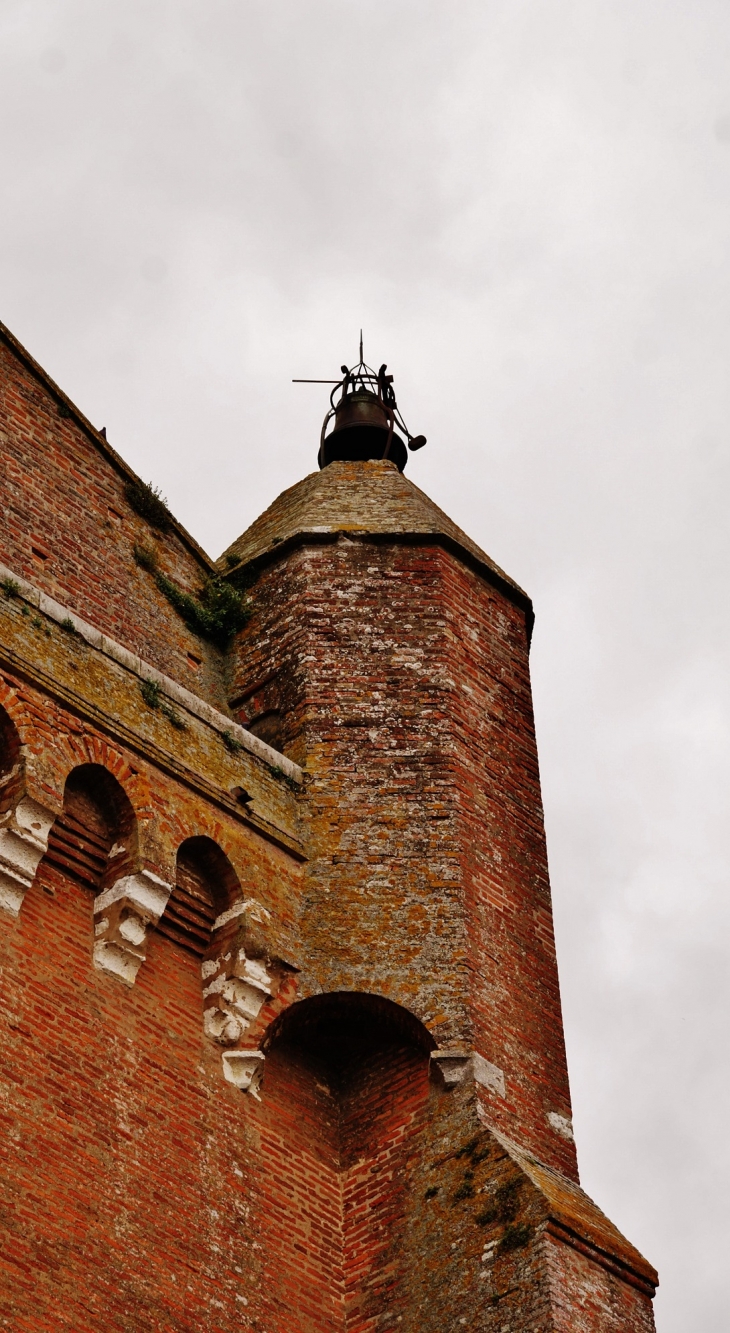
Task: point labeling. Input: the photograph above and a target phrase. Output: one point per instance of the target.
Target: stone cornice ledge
(177, 693)
(314, 536)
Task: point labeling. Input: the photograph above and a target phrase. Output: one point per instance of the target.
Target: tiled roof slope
(369, 497)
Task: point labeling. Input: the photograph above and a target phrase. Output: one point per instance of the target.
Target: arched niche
(341, 1121)
(337, 1031)
(9, 749)
(94, 838)
(205, 886)
(11, 767)
(269, 727)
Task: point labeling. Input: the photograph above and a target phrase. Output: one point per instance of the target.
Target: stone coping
(144, 671)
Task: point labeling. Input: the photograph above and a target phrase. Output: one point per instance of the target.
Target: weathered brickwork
(69, 528)
(408, 701)
(282, 1040)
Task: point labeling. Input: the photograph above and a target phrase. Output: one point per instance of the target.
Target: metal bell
(363, 429)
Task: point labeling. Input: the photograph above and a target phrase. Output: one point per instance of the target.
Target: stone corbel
(245, 1070)
(449, 1066)
(122, 915)
(239, 988)
(239, 977)
(23, 841)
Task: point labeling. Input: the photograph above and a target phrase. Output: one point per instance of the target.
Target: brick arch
(72, 751)
(14, 707)
(341, 1118)
(95, 837)
(21, 727)
(9, 742)
(367, 1011)
(88, 748)
(11, 761)
(205, 886)
(27, 806)
(204, 822)
(69, 750)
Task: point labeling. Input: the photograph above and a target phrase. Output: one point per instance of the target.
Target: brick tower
(282, 1040)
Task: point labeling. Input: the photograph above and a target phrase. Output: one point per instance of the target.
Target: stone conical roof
(362, 497)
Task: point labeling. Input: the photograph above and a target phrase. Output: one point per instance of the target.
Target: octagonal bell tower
(389, 657)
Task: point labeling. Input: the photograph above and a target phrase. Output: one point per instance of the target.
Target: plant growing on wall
(215, 613)
(147, 501)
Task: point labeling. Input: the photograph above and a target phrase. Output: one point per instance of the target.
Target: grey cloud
(526, 206)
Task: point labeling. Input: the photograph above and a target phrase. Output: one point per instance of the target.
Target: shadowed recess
(205, 885)
(96, 815)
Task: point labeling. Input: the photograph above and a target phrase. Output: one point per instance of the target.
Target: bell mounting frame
(361, 377)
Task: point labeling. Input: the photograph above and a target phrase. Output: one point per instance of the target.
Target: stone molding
(451, 1065)
(23, 841)
(239, 977)
(245, 1070)
(122, 915)
(176, 693)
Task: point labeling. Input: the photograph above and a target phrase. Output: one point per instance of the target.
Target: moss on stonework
(466, 1189)
(504, 1205)
(146, 557)
(217, 613)
(281, 776)
(506, 1200)
(151, 692)
(515, 1236)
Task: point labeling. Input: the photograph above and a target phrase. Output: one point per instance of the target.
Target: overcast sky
(527, 208)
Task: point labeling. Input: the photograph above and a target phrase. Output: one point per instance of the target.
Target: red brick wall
(340, 1124)
(124, 1153)
(515, 996)
(299, 1215)
(126, 1161)
(587, 1298)
(64, 500)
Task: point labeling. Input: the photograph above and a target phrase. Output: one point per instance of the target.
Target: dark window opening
(205, 884)
(95, 814)
(268, 727)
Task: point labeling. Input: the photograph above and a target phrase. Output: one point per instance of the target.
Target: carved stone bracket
(450, 1067)
(23, 841)
(245, 1070)
(235, 995)
(239, 977)
(122, 914)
